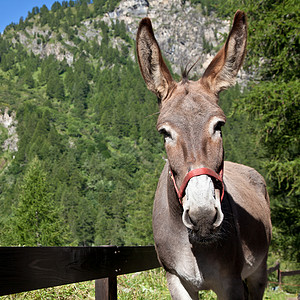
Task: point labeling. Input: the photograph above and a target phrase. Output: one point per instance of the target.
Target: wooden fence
(281, 274)
(29, 268)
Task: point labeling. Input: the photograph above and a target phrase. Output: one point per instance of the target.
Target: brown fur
(213, 256)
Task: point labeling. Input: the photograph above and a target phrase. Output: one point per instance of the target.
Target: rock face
(9, 122)
(183, 33)
(32, 41)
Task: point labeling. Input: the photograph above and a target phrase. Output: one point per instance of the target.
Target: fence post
(279, 275)
(106, 289)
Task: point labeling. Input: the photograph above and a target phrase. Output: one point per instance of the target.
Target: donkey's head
(191, 120)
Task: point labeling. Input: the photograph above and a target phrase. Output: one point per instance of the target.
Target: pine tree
(139, 210)
(55, 86)
(28, 79)
(44, 15)
(36, 220)
(273, 102)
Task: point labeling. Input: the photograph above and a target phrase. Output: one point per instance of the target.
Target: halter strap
(196, 172)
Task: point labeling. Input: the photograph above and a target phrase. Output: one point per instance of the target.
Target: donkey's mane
(185, 72)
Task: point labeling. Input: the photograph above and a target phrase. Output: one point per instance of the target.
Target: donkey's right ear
(153, 68)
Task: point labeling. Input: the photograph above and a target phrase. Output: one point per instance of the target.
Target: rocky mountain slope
(183, 32)
(8, 122)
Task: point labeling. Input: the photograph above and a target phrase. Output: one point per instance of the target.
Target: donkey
(211, 219)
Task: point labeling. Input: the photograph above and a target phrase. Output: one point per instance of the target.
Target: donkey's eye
(167, 135)
(218, 126)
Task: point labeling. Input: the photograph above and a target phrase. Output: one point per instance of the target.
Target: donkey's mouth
(198, 227)
(204, 233)
(197, 238)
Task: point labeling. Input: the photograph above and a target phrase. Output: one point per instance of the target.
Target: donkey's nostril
(187, 220)
(218, 218)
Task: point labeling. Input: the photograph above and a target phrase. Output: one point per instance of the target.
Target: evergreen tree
(28, 79)
(55, 6)
(55, 86)
(44, 15)
(36, 220)
(139, 210)
(274, 104)
(80, 92)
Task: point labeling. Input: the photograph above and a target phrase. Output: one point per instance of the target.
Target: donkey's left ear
(153, 68)
(222, 71)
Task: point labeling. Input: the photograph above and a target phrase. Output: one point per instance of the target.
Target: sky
(12, 10)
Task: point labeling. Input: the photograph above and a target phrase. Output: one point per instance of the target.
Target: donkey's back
(247, 193)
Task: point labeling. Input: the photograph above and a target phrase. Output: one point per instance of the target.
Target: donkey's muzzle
(202, 211)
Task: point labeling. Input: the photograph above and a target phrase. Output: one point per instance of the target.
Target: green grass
(82, 290)
(137, 286)
(150, 284)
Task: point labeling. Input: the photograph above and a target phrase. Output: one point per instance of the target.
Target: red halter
(193, 173)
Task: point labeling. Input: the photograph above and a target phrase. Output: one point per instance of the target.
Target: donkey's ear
(222, 71)
(153, 68)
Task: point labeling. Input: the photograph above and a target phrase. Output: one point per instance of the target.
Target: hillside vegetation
(88, 155)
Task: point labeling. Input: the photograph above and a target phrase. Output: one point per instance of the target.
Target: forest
(89, 156)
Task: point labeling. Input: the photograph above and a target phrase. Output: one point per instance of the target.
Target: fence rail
(281, 274)
(29, 268)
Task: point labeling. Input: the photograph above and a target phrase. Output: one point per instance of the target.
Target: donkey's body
(239, 252)
(205, 240)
